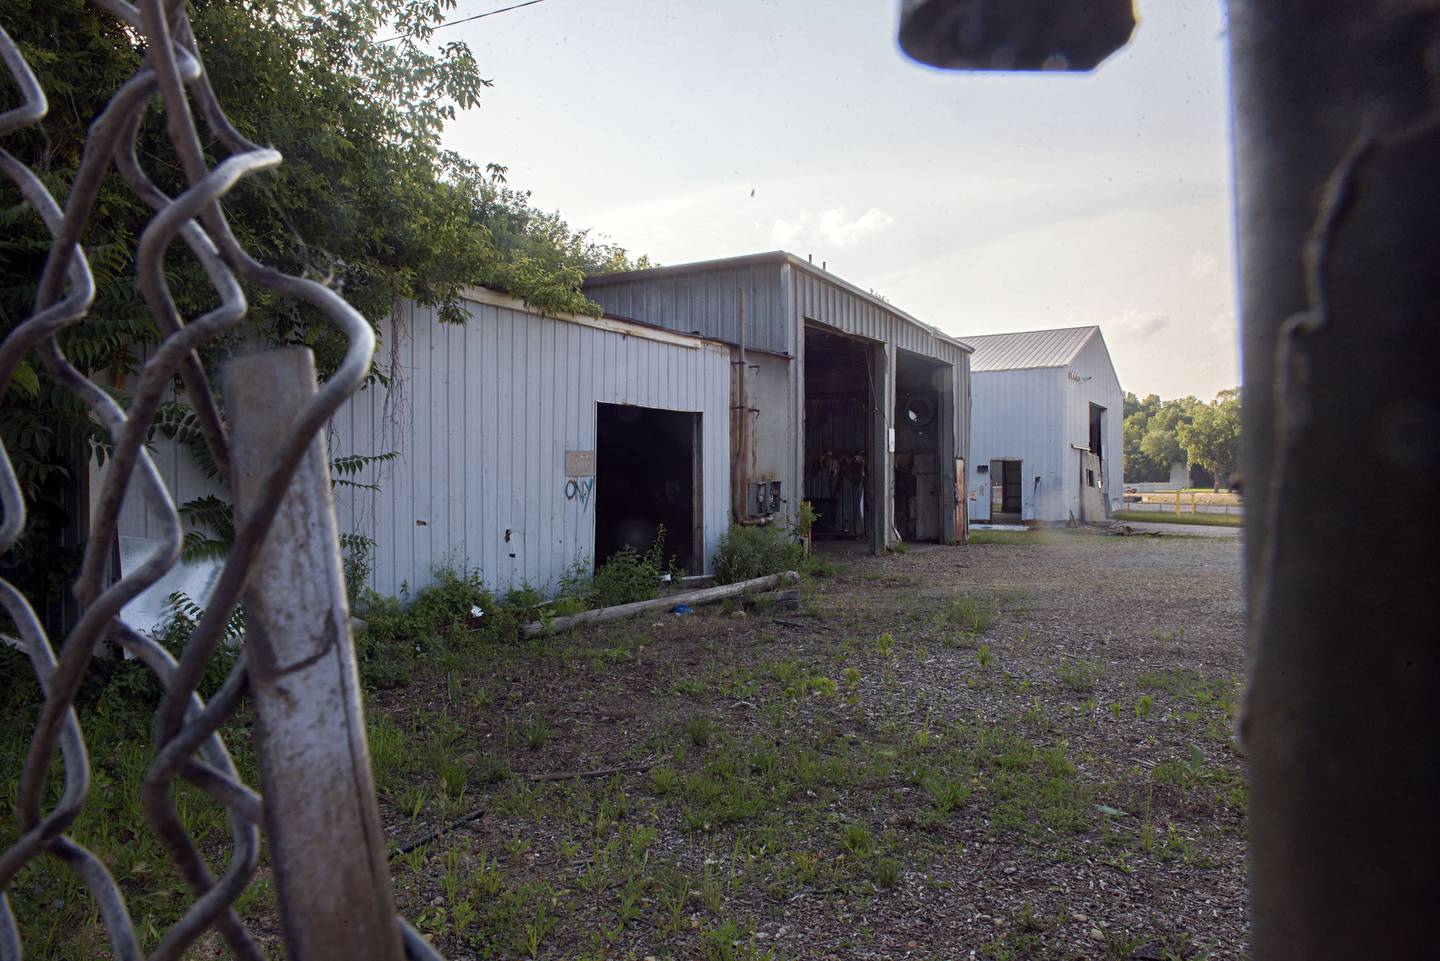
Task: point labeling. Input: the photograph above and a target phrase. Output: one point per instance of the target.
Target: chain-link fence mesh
(186, 744)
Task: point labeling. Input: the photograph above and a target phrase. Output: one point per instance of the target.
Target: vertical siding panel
(407, 504)
(491, 467)
(436, 477)
(504, 449)
(531, 505)
(477, 382)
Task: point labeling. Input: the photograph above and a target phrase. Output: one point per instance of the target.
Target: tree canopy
(367, 200)
(1159, 433)
(1212, 438)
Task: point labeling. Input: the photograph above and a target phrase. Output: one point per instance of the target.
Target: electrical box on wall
(765, 497)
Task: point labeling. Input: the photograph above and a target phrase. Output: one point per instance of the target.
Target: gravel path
(869, 777)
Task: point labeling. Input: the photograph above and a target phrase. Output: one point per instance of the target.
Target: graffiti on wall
(579, 488)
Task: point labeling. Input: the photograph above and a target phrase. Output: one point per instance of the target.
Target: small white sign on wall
(579, 463)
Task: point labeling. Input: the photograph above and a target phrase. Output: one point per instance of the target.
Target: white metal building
(1046, 442)
(841, 398)
(524, 445)
(528, 444)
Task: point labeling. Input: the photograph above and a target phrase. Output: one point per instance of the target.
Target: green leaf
(25, 381)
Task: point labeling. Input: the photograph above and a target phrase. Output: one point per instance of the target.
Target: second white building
(1046, 423)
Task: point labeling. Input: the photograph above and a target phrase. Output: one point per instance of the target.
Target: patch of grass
(972, 615)
(529, 732)
(1080, 676)
(946, 795)
(747, 552)
(391, 753)
(855, 838)
(1178, 682)
(1170, 517)
(698, 729)
(885, 872)
(1001, 537)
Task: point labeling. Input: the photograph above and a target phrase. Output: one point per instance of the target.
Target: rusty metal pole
(1337, 152)
(324, 825)
(741, 479)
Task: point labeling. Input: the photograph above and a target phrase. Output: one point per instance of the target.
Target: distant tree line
(1186, 430)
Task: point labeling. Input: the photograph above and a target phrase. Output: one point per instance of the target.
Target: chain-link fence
(318, 807)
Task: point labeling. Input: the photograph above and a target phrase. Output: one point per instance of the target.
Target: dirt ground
(1015, 749)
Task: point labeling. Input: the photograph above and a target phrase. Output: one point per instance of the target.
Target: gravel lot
(1015, 749)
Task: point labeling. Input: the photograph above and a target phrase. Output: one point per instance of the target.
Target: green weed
(1079, 675)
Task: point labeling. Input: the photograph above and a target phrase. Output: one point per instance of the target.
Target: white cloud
(834, 227)
(1136, 324)
(786, 232)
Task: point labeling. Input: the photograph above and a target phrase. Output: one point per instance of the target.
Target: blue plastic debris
(680, 610)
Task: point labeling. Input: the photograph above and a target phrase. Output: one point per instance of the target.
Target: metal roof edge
(1013, 370)
(1069, 358)
(612, 324)
(781, 257)
(692, 267)
(883, 304)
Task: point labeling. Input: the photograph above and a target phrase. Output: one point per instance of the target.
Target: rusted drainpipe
(739, 478)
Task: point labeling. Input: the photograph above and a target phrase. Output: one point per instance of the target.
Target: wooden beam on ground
(708, 595)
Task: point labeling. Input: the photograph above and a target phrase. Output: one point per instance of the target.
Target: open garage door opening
(839, 433)
(922, 393)
(647, 475)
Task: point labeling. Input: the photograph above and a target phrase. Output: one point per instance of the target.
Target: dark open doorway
(647, 474)
(1005, 489)
(1097, 431)
(839, 432)
(919, 428)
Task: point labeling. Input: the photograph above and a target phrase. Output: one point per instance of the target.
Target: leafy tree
(366, 199)
(1212, 438)
(1152, 435)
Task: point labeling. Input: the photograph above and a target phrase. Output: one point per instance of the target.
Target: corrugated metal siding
(1020, 415)
(481, 415)
(482, 421)
(1034, 348)
(705, 301)
(1098, 384)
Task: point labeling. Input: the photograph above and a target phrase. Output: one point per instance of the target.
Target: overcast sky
(694, 129)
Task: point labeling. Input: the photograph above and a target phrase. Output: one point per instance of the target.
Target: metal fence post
(320, 810)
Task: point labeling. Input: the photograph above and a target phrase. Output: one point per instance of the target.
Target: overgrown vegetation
(785, 780)
(367, 200)
(628, 575)
(747, 552)
(445, 622)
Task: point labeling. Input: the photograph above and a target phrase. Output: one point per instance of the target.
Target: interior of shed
(646, 475)
(839, 431)
(919, 421)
